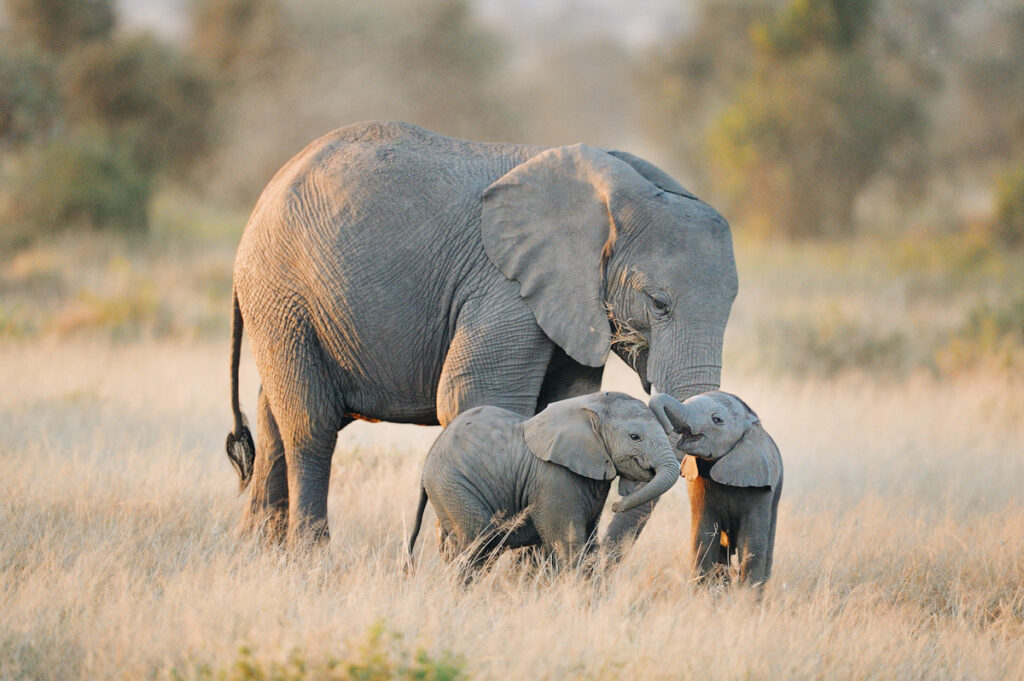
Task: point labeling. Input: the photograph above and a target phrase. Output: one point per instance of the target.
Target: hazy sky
(637, 23)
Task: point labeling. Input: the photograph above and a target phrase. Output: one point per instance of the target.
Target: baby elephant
(555, 469)
(734, 480)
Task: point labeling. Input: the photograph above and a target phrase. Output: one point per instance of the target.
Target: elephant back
(481, 438)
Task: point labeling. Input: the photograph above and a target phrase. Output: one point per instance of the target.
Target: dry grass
(899, 553)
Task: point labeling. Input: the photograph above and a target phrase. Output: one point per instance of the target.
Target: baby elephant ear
(754, 462)
(566, 433)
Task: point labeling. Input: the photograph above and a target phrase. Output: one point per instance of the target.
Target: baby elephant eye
(634, 437)
(716, 419)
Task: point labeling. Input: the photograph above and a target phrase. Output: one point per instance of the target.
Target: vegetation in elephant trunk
(666, 473)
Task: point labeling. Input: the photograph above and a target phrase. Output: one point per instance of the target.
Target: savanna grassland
(889, 374)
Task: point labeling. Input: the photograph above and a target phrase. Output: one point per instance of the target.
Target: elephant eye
(635, 437)
(660, 302)
(716, 419)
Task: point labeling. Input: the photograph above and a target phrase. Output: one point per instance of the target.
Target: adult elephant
(390, 273)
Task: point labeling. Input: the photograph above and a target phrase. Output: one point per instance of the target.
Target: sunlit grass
(891, 383)
(898, 555)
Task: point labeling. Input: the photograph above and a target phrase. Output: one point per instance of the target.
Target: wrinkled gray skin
(734, 479)
(491, 464)
(389, 273)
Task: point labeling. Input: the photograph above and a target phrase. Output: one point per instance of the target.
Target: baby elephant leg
(709, 556)
(565, 539)
(753, 547)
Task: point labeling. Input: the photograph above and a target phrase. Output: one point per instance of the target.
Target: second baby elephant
(490, 465)
(734, 480)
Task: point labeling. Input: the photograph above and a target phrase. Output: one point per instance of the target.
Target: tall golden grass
(899, 553)
(900, 550)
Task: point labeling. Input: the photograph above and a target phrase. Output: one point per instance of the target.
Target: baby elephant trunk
(666, 473)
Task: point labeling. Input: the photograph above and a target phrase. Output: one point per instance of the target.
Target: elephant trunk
(691, 365)
(666, 473)
(672, 414)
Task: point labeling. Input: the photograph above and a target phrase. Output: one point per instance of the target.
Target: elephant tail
(240, 447)
(419, 521)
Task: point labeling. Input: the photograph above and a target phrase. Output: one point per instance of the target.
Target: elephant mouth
(688, 440)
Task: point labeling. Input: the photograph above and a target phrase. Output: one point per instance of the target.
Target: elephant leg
(752, 551)
(567, 378)
(773, 517)
(309, 472)
(497, 357)
(482, 537)
(709, 556)
(625, 527)
(309, 411)
(447, 545)
(755, 537)
(267, 511)
(565, 539)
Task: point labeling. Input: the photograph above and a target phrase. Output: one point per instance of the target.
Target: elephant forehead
(630, 409)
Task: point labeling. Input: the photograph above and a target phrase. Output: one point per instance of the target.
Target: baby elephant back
(478, 436)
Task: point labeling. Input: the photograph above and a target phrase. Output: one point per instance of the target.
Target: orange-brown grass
(899, 553)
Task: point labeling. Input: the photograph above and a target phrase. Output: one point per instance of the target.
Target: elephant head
(611, 253)
(603, 435)
(721, 428)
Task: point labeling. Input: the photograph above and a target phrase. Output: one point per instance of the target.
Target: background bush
(86, 181)
(1010, 207)
(92, 121)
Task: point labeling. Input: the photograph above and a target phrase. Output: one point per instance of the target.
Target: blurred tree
(989, 121)
(149, 96)
(692, 79)
(28, 95)
(807, 118)
(342, 61)
(59, 26)
(1009, 221)
(445, 67)
(240, 38)
(86, 179)
(91, 121)
(802, 25)
(813, 123)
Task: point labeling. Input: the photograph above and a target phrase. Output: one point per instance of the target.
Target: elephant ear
(652, 174)
(754, 461)
(566, 433)
(548, 225)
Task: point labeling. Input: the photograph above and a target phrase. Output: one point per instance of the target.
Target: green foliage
(382, 657)
(150, 97)
(796, 121)
(88, 132)
(82, 180)
(803, 25)
(28, 95)
(61, 25)
(812, 125)
(1009, 222)
(692, 79)
(991, 334)
(802, 139)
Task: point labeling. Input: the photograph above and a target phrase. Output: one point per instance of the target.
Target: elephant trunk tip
(665, 476)
(241, 453)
